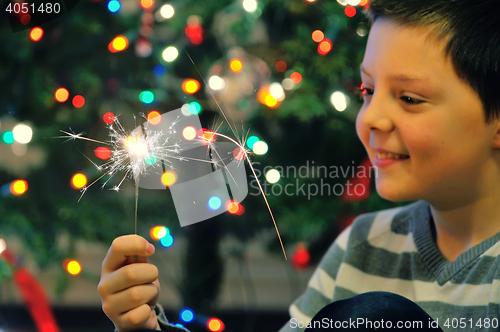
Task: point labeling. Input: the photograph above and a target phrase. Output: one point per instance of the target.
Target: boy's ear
(495, 144)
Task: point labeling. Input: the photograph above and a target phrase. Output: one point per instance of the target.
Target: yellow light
(190, 86)
(18, 187)
(120, 43)
(168, 178)
(147, 4)
(189, 133)
(235, 65)
(270, 101)
(73, 267)
(36, 34)
(79, 181)
(61, 95)
(273, 176)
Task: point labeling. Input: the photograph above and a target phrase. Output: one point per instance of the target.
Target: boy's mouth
(389, 155)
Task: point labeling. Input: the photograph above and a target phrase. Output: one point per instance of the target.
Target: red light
(238, 153)
(296, 77)
(194, 33)
(325, 46)
(281, 66)
(301, 257)
(350, 11)
(215, 325)
(78, 101)
(108, 118)
(233, 207)
(103, 153)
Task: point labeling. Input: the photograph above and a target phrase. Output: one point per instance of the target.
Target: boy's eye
(411, 101)
(365, 91)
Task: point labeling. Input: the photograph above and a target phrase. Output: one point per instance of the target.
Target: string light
(18, 187)
(339, 101)
(118, 44)
(114, 6)
(78, 181)
(273, 176)
(187, 315)
(170, 54)
(350, 11)
(61, 95)
(73, 267)
(215, 325)
(78, 101)
(260, 148)
(8, 137)
(154, 117)
(318, 36)
(103, 153)
(236, 65)
(325, 46)
(167, 11)
(168, 178)
(36, 34)
(280, 66)
(147, 97)
(296, 77)
(190, 86)
(22, 133)
(146, 4)
(108, 118)
(167, 241)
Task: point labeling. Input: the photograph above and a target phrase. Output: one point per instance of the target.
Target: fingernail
(150, 248)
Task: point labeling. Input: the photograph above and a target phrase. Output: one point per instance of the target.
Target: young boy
(430, 123)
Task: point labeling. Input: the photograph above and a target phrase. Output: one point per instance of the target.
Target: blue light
(180, 325)
(114, 6)
(187, 315)
(214, 203)
(167, 240)
(159, 71)
(252, 140)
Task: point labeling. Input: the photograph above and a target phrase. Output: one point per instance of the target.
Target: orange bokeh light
(18, 187)
(145, 4)
(190, 86)
(236, 65)
(154, 117)
(61, 95)
(36, 34)
(325, 46)
(318, 36)
(296, 77)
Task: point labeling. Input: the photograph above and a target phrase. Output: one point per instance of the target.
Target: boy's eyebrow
(401, 77)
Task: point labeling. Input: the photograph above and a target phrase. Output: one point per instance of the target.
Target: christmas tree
(284, 74)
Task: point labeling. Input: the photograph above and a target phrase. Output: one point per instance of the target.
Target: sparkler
(138, 152)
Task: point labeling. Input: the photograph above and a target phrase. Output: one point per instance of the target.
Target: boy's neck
(463, 227)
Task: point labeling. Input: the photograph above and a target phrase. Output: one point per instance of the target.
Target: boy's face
(415, 106)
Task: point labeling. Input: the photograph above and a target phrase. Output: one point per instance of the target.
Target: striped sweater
(394, 251)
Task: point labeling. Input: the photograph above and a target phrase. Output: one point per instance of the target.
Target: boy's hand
(129, 285)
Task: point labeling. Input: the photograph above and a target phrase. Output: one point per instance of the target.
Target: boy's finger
(123, 247)
(130, 275)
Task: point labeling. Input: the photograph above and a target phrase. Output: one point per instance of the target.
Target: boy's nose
(376, 116)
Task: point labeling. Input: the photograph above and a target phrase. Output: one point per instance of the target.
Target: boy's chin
(394, 193)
